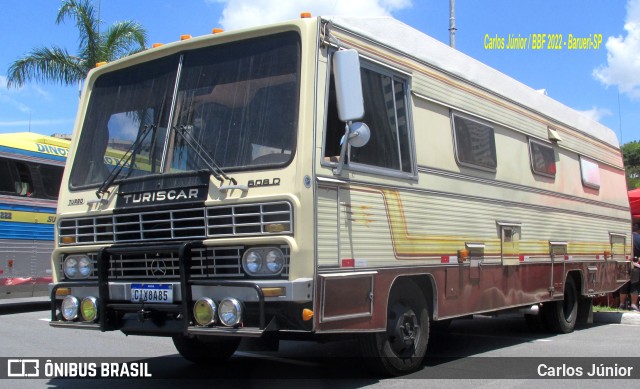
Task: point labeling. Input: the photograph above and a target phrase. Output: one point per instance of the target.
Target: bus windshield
(238, 101)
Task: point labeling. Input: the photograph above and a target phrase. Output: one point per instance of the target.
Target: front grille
(209, 262)
(182, 224)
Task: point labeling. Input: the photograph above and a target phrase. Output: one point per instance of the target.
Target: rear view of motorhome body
(329, 176)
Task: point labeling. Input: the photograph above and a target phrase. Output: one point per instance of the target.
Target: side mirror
(359, 134)
(346, 70)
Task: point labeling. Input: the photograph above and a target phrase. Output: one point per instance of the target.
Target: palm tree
(57, 65)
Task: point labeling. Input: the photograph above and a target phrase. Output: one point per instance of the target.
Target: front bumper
(117, 312)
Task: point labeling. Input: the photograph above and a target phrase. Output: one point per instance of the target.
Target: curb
(632, 318)
(27, 304)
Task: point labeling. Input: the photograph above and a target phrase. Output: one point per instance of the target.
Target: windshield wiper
(133, 149)
(211, 163)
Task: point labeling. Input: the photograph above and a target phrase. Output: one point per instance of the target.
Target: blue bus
(31, 168)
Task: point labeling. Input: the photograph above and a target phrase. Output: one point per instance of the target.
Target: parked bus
(31, 167)
(329, 176)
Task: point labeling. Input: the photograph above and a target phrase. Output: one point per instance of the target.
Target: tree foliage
(55, 64)
(631, 156)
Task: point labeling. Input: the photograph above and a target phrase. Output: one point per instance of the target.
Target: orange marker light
(184, 37)
(307, 314)
(305, 15)
(157, 45)
(217, 31)
(100, 64)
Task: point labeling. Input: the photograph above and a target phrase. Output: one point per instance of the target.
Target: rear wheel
(561, 316)
(204, 350)
(401, 348)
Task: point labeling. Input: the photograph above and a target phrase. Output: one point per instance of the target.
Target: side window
(51, 179)
(590, 172)
(475, 143)
(8, 177)
(386, 114)
(543, 159)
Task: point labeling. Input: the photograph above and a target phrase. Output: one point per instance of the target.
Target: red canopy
(634, 203)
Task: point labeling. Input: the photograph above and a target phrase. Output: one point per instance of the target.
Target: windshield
(238, 101)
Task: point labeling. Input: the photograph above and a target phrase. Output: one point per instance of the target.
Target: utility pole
(452, 23)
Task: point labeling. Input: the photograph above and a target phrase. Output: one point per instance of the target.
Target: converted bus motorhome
(329, 176)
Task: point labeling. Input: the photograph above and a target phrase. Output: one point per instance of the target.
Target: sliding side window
(475, 143)
(386, 113)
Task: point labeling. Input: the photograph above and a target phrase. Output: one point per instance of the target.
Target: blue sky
(604, 83)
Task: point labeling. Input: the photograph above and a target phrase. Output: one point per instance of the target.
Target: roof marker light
(217, 30)
(305, 15)
(98, 64)
(184, 37)
(157, 45)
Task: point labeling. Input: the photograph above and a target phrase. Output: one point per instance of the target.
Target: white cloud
(596, 113)
(623, 57)
(246, 13)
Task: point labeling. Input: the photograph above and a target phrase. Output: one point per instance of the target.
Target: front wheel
(204, 350)
(561, 316)
(401, 348)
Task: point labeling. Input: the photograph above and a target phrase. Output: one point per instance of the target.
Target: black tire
(401, 348)
(205, 350)
(561, 316)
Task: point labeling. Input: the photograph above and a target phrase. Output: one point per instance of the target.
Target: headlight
(263, 261)
(77, 266)
(85, 267)
(69, 308)
(230, 312)
(252, 261)
(70, 267)
(275, 261)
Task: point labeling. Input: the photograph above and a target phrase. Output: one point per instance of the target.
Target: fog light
(230, 312)
(204, 311)
(89, 308)
(69, 308)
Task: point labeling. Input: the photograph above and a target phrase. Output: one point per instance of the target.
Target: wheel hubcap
(403, 329)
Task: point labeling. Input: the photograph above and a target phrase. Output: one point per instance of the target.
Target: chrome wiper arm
(211, 163)
(133, 149)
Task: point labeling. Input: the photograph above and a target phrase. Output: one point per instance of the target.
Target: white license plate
(152, 293)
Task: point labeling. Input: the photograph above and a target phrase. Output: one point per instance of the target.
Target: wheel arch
(427, 285)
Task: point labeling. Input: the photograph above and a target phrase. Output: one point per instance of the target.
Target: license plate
(152, 293)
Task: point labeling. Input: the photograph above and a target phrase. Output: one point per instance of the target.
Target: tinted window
(475, 143)
(543, 159)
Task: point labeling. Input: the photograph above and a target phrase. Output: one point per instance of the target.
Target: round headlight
(204, 311)
(69, 308)
(89, 308)
(85, 267)
(230, 312)
(252, 261)
(70, 267)
(275, 261)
